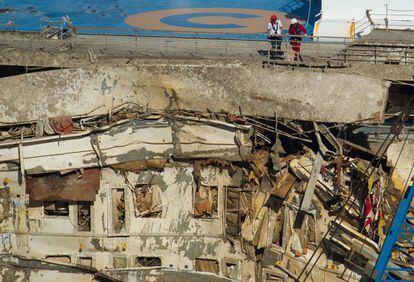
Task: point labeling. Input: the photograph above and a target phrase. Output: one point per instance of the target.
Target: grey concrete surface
(155, 47)
(382, 36)
(326, 97)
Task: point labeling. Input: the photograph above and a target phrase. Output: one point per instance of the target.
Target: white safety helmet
(294, 21)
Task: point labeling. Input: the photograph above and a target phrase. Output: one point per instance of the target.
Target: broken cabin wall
(151, 139)
(13, 274)
(177, 186)
(15, 221)
(176, 237)
(176, 231)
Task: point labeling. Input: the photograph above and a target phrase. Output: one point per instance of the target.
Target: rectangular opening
(278, 228)
(273, 277)
(84, 216)
(238, 204)
(4, 203)
(398, 98)
(85, 261)
(56, 208)
(233, 223)
(118, 210)
(59, 259)
(231, 271)
(147, 200)
(147, 261)
(207, 265)
(120, 262)
(206, 204)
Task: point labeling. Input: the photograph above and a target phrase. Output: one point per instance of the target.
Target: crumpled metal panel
(74, 186)
(129, 142)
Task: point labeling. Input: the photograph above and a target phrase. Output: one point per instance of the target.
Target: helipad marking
(183, 20)
(227, 20)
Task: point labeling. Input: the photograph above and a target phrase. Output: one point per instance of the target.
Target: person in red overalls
(296, 28)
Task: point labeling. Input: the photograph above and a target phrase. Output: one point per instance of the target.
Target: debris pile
(305, 189)
(313, 194)
(61, 28)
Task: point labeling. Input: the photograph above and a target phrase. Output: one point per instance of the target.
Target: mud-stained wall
(132, 141)
(176, 237)
(401, 156)
(14, 274)
(328, 97)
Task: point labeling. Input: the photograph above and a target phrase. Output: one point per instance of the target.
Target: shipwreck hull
(323, 97)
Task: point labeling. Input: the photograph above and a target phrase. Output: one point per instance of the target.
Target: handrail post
(345, 55)
(227, 47)
(406, 59)
(196, 35)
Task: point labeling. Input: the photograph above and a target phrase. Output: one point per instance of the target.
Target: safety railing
(377, 54)
(363, 26)
(137, 32)
(392, 19)
(205, 45)
(194, 44)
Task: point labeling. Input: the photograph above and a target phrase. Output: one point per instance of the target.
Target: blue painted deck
(226, 17)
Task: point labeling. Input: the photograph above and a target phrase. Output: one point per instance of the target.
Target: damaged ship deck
(201, 170)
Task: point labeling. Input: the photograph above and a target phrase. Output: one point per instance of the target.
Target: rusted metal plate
(137, 166)
(75, 186)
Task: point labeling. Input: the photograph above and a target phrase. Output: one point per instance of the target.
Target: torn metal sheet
(302, 169)
(324, 97)
(271, 255)
(311, 185)
(346, 233)
(357, 147)
(61, 124)
(76, 186)
(137, 166)
(129, 142)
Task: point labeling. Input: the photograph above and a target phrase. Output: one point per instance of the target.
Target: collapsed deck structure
(154, 170)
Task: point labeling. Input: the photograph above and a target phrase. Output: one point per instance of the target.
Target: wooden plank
(283, 186)
(311, 185)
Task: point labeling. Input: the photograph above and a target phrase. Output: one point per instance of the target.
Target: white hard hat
(294, 21)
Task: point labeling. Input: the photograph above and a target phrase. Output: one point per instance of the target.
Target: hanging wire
(309, 11)
(395, 10)
(402, 196)
(340, 216)
(365, 239)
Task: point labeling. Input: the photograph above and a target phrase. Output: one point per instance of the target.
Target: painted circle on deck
(206, 20)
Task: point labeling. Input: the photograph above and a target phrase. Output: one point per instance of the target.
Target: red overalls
(296, 42)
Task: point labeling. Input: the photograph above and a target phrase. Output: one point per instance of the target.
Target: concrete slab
(383, 36)
(325, 97)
